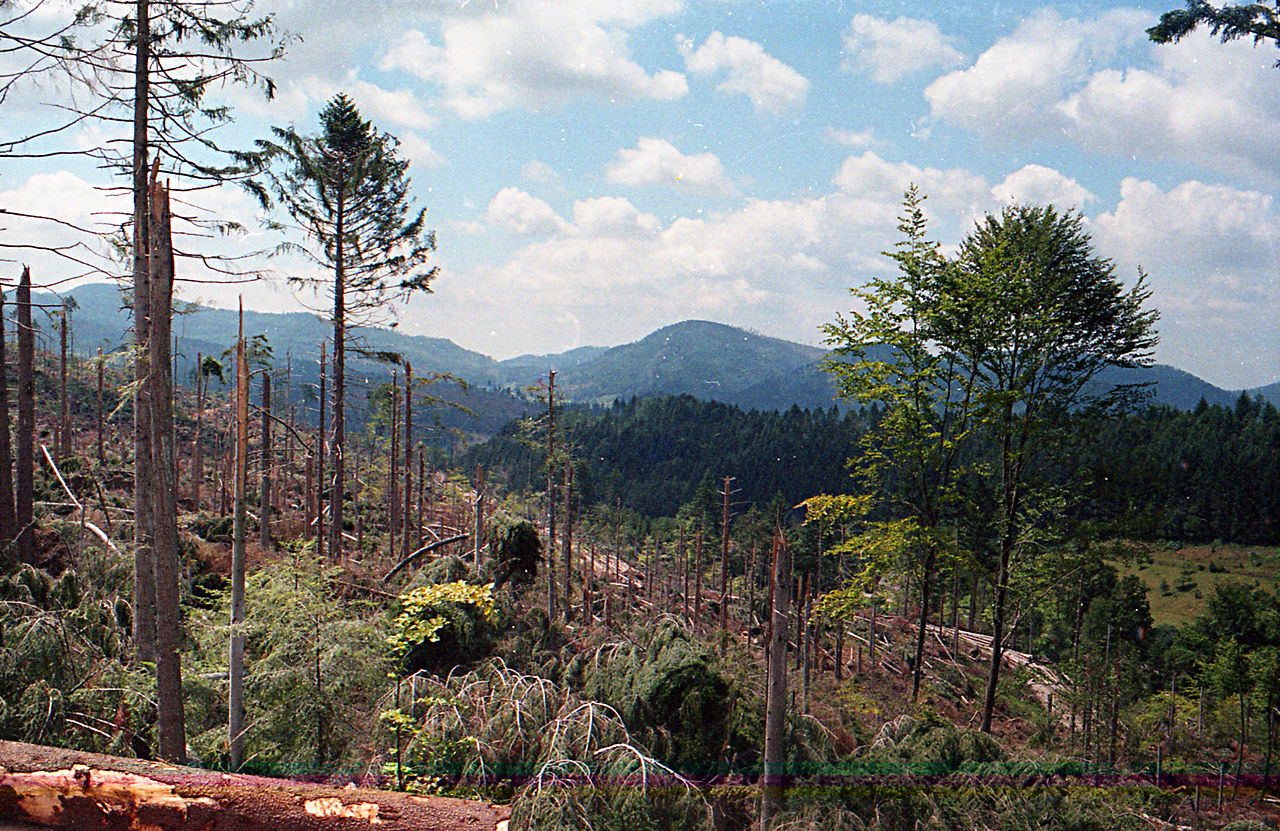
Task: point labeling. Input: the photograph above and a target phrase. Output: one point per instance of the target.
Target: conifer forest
(301, 571)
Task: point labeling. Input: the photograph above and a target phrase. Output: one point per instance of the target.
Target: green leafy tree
(347, 190)
(888, 354)
(1035, 316)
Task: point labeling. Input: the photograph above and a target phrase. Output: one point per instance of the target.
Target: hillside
(710, 361)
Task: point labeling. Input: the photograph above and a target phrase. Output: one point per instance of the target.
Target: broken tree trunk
(59, 788)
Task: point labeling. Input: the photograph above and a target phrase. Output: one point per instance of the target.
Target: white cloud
(777, 265)
(850, 138)
(1211, 252)
(1209, 228)
(533, 54)
(893, 50)
(400, 107)
(1014, 88)
(465, 227)
(1206, 102)
(520, 213)
(536, 171)
(771, 85)
(1042, 185)
(418, 150)
(656, 161)
(612, 216)
(950, 193)
(1056, 79)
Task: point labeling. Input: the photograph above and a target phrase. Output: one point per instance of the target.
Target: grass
(1191, 573)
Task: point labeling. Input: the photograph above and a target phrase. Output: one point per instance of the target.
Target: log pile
(55, 788)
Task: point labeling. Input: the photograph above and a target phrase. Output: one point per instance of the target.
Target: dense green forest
(1156, 473)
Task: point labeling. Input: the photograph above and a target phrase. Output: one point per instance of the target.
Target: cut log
(55, 788)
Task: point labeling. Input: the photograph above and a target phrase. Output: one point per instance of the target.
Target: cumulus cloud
(419, 151)
(536, 171)
(523, 214)
(779, 265)
(655, 161)
(953, 192)
(1211, 253)
(1056, 78)
(891, 50)
(1013, 89)
(534, 54)
(612, 216)
(850, 138)
(770, 85)
(1042, 185)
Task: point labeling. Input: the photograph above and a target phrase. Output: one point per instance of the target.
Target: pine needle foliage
(314, 663)
(574, 762)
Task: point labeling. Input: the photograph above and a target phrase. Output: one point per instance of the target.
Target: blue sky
(596, 169)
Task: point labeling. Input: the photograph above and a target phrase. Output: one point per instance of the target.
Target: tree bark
(775, 750)
(101, 425)
(144, 583)
(320, 469)
(235, 696)
(164, 469)
(407, 541)
(64, 408)
(197, 452)
(24, 479)
(339, 388)
(7, 516)
(91, 792)
(264, 493)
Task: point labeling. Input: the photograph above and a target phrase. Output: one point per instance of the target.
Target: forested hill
(710, 361)
(1211, 473)
(651, 454)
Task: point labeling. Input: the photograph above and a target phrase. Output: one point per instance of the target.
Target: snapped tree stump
(56, 788)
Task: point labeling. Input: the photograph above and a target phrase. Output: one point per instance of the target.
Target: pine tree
(348, 191)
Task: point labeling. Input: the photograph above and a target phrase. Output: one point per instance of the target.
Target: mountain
(696, 357)
(710, 361)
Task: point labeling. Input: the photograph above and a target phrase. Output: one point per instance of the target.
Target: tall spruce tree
(348, 192)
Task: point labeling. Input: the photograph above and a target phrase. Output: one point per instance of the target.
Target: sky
(597, 169)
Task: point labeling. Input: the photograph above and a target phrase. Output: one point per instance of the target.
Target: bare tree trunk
(264, 494)
(551, 494)
(724, 563)
(775, 750)
(479, 522)
(997, 637)
(64, 407)
(169, 701)
(407, 541)
(144, 608)
(567, 545)
(7, 515)
(393, 466)
(235, 697)
(24, 484)
(697, 580)
(926, 587)
(339, 392)
(102, 456)
(320, 469)
(197, 449)
(67, 789)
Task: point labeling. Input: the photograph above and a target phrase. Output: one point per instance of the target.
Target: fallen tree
(58, 788)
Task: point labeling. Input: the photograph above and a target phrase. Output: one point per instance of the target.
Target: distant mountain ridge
(711, 361)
